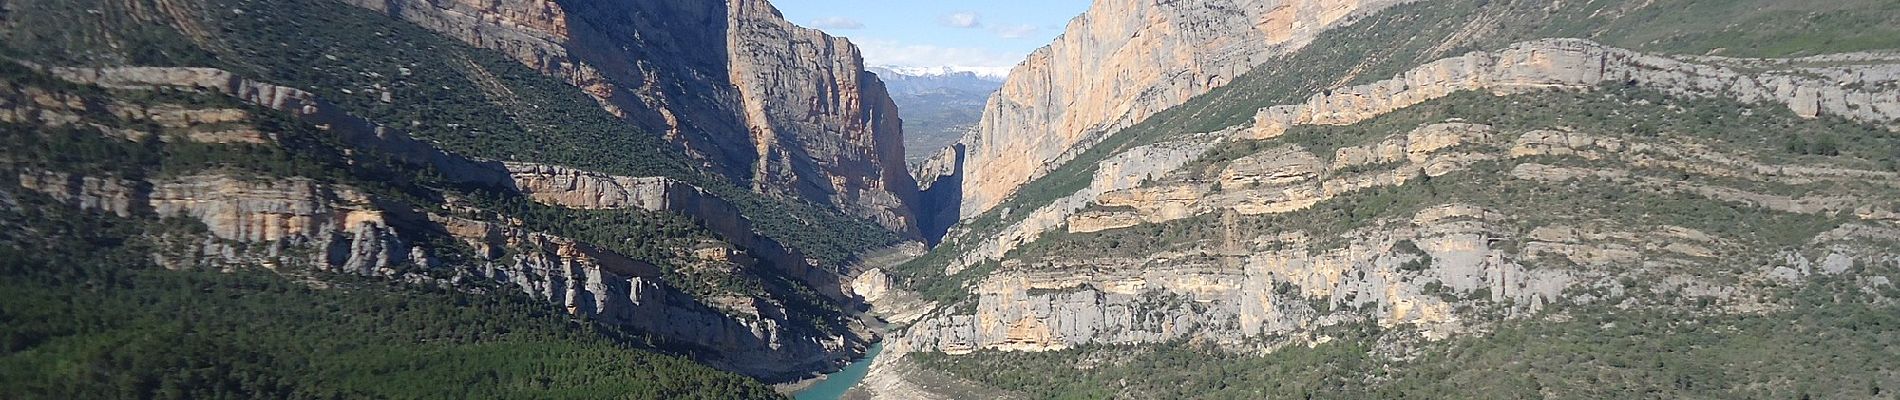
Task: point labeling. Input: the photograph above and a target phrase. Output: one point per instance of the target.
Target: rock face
(940, 194)
(572, 188)
(1223, 279)
(1119, 63)
(1860, 92)
(1427, 270)
(748, 335)
(1858, 87)
(340, 227)
(788, 109)
(90, 193)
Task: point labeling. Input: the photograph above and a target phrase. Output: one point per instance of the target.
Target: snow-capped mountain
(939, 104)
(990, 73)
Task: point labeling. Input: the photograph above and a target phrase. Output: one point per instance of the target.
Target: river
(835, 384)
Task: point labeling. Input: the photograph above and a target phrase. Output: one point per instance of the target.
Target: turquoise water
(835, 384)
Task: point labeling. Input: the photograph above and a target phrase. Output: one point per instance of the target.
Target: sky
(991, 35)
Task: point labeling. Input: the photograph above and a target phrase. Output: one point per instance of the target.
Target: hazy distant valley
(940, 107)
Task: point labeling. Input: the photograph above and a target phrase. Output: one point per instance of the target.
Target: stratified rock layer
(1119, 63)
(1421, 269)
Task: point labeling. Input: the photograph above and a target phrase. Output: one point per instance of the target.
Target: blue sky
(938, 33)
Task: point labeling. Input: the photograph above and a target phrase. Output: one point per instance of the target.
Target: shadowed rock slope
(697, 176)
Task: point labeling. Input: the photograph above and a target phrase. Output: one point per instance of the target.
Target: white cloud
(1014, 31)
(891, 53)
(963, 20)
(836, 23)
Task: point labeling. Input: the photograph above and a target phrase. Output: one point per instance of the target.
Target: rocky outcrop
(572, 188)
(37, 106)
(1121, 172)
(699, 73)
(91, 193)
(1121, 62)
(343, 229)
(1273, 285)
(588, 190)
(940, 192)
(337, 227)
(823, 125)
(296, 222)
(1439, 273)
(1860, 91)
(745, 334)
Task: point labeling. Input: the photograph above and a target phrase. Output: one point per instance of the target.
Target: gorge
(1171, 199)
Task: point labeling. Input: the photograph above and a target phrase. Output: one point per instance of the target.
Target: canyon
(1397, 202)
(1118, 63)
(789, 109)
(1210, 198)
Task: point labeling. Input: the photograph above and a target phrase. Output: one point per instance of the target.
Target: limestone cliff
(1856, 86)
(787, 109)
(1257, 247)
(580, 189)
(1119, 63)
(282, 224)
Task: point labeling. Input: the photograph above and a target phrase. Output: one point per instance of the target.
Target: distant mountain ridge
(989, 73)
(940, 104)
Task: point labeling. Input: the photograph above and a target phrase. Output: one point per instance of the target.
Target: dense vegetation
(88, 316)
(1833, 342)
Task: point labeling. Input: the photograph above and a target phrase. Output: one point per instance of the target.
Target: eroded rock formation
(1119, 63)
(1429, 269)
(788, 109)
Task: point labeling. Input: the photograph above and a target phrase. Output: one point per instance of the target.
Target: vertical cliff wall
(822, 125)
(785, 109)
(1119, 63)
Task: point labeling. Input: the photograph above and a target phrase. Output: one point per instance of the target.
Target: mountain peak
(986, 73)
